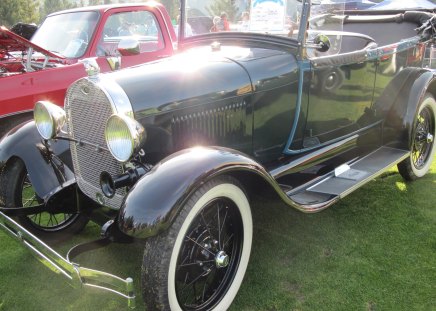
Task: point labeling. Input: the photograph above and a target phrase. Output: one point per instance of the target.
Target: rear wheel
(200, 262)
(16, 190)
(423, 144)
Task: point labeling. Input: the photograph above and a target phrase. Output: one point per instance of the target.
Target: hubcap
(222, 259)
(429, 138)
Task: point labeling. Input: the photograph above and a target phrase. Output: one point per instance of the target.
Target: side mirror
(128, 47)
(322, 42)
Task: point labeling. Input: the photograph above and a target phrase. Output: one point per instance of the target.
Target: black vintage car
(313, 106)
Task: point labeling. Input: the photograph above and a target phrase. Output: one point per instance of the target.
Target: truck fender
(156, 199)
(400, 111)
(47, 162)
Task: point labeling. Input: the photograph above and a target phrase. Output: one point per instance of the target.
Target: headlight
(49, 119)
(123, 136)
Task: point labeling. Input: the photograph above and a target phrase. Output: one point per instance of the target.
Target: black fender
(399, 104)
(157, 198)
(48, 162)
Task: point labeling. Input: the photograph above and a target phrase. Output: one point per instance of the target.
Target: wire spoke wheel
(209, 255)
(199, 263)
(44, 221)
(17, 190)
(423, 138)
(423, 141)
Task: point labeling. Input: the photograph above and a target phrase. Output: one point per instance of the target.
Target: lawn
(374, 250)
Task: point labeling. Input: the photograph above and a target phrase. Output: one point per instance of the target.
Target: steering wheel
(83, 35)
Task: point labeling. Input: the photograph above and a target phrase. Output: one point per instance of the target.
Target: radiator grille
(88, 109)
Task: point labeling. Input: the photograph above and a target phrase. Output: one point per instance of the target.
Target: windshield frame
(185, 41)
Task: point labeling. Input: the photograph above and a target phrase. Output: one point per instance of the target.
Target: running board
(349, 177)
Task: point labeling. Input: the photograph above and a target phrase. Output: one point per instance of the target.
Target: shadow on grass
(373, 250)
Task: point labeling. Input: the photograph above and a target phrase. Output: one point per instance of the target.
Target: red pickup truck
(43, 68)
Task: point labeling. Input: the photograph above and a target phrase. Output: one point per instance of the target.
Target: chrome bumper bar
(77, 276)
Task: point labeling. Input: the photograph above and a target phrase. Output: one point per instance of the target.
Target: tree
(95, 2)
(172, 6)
(50, 6)
(227, 6)
(14, 11)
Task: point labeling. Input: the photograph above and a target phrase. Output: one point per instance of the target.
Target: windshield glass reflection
(67, 34)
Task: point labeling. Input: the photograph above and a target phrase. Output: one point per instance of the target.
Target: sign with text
(267, 15)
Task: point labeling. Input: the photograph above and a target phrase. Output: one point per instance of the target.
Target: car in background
(350, 4)
(404, 5)
(43, 68)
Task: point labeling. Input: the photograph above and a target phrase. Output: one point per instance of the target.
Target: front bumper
(76, 275)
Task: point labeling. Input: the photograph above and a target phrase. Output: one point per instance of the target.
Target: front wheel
(200, 262)
(16, 190)
(423, 144)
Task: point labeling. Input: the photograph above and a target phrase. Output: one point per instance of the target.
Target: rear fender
(48, 162)
(157, 198)
(399, 112)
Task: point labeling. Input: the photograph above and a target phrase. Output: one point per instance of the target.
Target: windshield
(277, 17)
(67, 34)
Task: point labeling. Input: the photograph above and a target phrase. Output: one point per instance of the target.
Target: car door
(341, 88)
(123, 27)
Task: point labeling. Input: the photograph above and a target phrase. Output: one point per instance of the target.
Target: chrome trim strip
(313, 158)
(77, 276)
(82, 141)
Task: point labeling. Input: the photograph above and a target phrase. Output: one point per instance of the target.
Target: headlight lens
(123, 136)
(49, 119)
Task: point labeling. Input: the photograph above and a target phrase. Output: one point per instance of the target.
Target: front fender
(46, 162)
(156, 199)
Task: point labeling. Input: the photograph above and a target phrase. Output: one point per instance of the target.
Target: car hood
(11, 42)
(201, 75)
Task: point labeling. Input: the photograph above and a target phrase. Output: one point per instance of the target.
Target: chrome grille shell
(89, 103)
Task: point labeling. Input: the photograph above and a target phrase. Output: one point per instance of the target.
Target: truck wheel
(16, 190)
(200, 261)
(423, 145)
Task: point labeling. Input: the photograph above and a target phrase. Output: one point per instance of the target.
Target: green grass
(374, 250)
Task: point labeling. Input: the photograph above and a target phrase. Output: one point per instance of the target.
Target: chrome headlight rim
(123, 148)
(49, 119)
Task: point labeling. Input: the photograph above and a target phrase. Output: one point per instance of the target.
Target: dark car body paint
(149, 208)
(261, 92)
(236, 83)
(48, 166)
